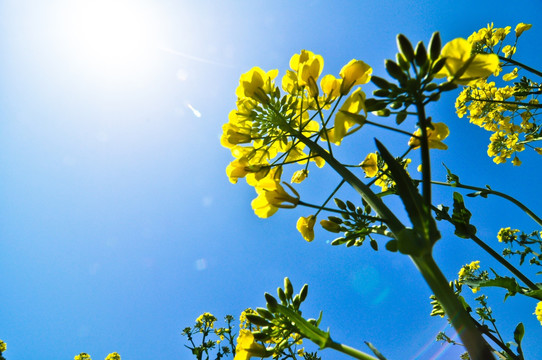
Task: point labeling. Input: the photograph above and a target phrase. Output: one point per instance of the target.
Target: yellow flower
(247, 347)
(434, 137)
(344, 121)
(82, 356)
(305, 225)
(271, 197)
(3, 346)
(331, 86)
(521, 27)
(458, 55)
(538, 312)
(507, 235)
(256, 84)
(356, 72)
(206, 320)
(370, 165)
(308, 67)
(509, 50)
(511, 75)
(299, 176)
(113, 356)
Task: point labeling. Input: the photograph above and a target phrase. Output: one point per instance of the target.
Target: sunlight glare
(112, 37)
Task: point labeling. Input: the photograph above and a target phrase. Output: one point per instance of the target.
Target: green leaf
(419, 214)
(450, 177)
(507, 283)
(461, 217)
(518, 336)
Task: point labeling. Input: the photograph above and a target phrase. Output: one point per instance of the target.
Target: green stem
(345, 349)
(528, 68)
(372, 199)
(470, 336)
(505, 263)
(497, 193)
(426, 161)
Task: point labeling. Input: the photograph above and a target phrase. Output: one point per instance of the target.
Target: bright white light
(111, 37)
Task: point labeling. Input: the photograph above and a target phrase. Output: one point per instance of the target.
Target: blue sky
(118, 225)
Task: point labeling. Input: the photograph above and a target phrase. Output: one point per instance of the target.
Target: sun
(111, 37)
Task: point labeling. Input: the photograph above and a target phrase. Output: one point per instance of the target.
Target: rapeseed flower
(247, 347)
(305, 225)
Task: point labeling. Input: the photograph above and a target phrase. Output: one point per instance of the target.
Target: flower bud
(271, 302)
(288, 288)
(434, 46)
(330, 226)
(421, 54)
(405, 47)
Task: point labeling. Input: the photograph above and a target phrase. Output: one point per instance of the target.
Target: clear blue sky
(118, 225)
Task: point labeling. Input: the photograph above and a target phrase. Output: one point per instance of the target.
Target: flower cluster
(469, 272)
(85, 356)
(538, 312)
(508, 111)
(262, 132)
(507, 235)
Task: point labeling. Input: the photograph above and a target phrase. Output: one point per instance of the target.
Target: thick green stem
(351, 351)
(470, 336)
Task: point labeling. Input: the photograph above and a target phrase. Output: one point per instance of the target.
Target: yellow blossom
(511, 75)
(3, 346)
(113, 356)
(305, 225)
(299, 176)
(370, 165)
(271, 197)
(256, 84)
(356, 72)
(458, 55)
(354, 104)
(509, 50)
(82, 356)
(538, 312)
(435, 136)
(331, 86)
(247, 347)
(521, 27)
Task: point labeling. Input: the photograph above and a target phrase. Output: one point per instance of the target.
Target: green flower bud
(331, 226)
(396, 105)
(434, 46)
(421, 54)
(303, 293)
(402, 61)
(288, 288)
(374, 244)
(282, 295)
(264, 313)
(380, 82)
(447, 86)
(272, 303)
(340, 204)
(381, 93)
(438, 65)
(405, 47)
(395, 70)
(256, 320)
(383, 112)
(431, 87)
(401, 116)
(372, 104)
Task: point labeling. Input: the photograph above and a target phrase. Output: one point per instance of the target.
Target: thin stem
(330, 196)
(528, 68)
(345, 349)
(390, 128)
(505, 263)
(497, 193)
